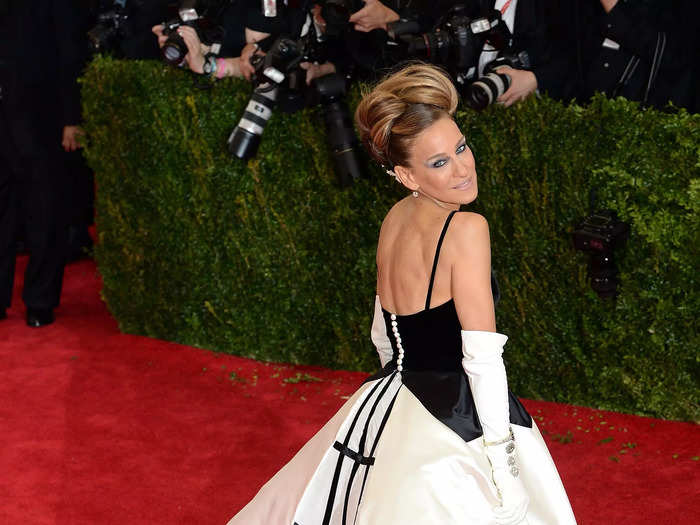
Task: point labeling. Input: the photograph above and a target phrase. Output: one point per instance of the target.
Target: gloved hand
(379, 336)
(505, 474)
(483, 363)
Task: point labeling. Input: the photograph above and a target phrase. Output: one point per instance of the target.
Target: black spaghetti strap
(435, 260)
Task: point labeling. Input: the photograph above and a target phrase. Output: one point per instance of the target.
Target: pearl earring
(415, 194)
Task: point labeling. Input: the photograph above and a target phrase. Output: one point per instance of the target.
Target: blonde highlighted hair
(400, 107)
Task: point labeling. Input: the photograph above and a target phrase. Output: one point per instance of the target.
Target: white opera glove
(379, 337)
(483, 363)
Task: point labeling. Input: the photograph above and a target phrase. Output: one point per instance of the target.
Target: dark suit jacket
(42, 53)
(589, 66)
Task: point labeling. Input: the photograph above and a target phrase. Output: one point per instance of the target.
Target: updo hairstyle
(401, 106)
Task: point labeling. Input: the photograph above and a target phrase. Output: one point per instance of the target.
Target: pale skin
(71, 138)
(374, 15)
(441, 169)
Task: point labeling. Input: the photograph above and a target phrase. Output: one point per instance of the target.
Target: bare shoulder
(393, 216)
(390, 224)
(470, 227)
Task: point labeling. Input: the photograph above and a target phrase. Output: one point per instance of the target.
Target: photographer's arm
(158, 31)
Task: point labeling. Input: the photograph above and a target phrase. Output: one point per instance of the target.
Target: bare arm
(471, 273)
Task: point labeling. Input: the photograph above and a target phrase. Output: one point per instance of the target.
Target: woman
(435, 437)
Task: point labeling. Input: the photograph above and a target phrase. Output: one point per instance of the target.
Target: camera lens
(245, 138)
(174, 49)
(486, 90)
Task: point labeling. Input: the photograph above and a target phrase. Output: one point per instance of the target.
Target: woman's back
(419, 238)
(405, 256)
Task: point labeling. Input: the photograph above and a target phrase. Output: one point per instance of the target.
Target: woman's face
(441, 164)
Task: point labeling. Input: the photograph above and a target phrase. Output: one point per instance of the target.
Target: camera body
(112, 25)
(174, 49)
(279, 81)
(598, 235)
(457, 42)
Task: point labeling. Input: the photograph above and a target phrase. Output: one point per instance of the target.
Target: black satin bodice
(432, 363)
(431, 338)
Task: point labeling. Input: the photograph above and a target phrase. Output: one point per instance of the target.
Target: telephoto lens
(340, 132)
(245, 137)
(486, 90)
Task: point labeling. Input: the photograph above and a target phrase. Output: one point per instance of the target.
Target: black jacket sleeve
(71, 48)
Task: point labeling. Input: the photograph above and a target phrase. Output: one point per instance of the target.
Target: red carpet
(97, 427)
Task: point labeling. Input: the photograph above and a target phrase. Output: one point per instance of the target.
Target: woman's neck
(437, 202)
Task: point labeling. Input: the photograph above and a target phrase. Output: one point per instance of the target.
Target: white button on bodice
(395, 329)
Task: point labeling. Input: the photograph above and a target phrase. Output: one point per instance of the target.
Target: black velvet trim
(355, 456)
(339, 464)
(374, 447)
(361, 449)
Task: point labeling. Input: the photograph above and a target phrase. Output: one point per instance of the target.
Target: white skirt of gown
(384, 459)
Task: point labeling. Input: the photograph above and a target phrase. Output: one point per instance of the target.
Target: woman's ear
(405, 176)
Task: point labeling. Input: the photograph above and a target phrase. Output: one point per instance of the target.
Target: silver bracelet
(509, 437)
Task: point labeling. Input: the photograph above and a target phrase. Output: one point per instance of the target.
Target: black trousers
(32, 183)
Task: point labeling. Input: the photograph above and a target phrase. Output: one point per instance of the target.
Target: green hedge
(269, 259)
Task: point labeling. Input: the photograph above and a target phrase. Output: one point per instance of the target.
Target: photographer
(257, 33)
(531, 24)
(230, 16)
(39, 118)
(644, 50)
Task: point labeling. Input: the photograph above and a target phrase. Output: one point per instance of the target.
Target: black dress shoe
(37, 317)
(3, 314)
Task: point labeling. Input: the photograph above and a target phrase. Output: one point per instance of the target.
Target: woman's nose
(465, 167)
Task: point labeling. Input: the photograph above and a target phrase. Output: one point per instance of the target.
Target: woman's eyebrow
(463, 139)
(437, 155)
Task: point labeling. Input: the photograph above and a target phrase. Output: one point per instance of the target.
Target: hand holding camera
(522, 84)
(314, 70)
(374, 15)
(246, 63)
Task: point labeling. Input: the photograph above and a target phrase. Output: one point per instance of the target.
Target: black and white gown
(406, 448)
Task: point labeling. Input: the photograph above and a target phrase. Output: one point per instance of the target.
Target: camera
(271, 73)
(598, 235)
(455, 42)
(174, 49)
(486, 89)
(340, 132)
(112, 24)
(279, 81)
